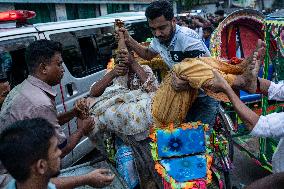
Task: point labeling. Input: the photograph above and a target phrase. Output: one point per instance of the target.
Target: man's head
(160, 16)
(44, 60)
(207, 31)
(219, 15)
(29, 149)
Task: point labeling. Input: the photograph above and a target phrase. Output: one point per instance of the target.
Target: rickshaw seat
(245, 97)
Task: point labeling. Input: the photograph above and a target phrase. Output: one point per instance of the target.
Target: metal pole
(262, 5)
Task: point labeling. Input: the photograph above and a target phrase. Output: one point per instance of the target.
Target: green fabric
(80, 11)
(112, 8)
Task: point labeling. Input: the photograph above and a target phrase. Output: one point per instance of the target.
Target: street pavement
(245, 170)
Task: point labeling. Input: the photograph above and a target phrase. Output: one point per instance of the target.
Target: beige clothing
(172, 106)
(125, 110)
(31, 99)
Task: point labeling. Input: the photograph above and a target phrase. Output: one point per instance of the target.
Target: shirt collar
(42, 85)
(173, 41)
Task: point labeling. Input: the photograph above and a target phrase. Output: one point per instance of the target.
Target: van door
(86, 52)
(14, 47)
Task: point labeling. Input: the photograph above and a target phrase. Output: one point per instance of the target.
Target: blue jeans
(203, 109)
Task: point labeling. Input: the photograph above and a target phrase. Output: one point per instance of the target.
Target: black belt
(178, 56)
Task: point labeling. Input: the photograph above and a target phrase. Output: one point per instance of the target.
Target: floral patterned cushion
(181, 142)
(187, 168)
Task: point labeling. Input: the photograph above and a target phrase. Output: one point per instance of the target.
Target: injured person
(129, 108)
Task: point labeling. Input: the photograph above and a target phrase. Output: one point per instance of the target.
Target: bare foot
(244, 64)
(248, 80)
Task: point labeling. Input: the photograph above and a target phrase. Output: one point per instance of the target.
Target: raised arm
(142, 51)
(144, 73)
(120, 69)
(99, 87)
(127, 58)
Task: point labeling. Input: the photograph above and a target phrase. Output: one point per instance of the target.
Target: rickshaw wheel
(223, 152)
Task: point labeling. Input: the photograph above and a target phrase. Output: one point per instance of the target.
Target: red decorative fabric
(250, 31)
(249, 39)
(228, 38)
(166, 184)
(235, 61)
(232, 46)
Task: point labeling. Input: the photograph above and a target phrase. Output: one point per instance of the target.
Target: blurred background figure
(197, 24)
(207, 32)
(5, 68)
(219, 17)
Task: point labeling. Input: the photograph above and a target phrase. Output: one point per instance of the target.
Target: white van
(87, 48)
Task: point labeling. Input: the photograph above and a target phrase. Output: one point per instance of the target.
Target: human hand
(219, 84)
(4, 90)
(123, 56)
(125, 34)
(179, 84)
(194, 20)
(86, 125)
(119, 70)
(99, 178)
(81, 108)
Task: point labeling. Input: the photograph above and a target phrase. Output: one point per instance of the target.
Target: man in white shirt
(271, 125)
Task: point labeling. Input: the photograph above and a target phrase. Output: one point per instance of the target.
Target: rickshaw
(237, 25)
(240, 29)
(259, 149)
(237, 36)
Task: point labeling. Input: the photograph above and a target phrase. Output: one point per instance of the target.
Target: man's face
(219, 18)
(206, 34)
(54, 70)
(53, 158)
(162, 29)
(4, 90)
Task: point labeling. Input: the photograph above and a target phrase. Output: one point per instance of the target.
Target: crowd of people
(32, 141)
(203, 26)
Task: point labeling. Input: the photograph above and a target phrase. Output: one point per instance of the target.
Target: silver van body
(86, 51)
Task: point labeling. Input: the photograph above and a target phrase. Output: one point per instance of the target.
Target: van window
(86, 51)
(15, 49)
(45, 12)
(140, 31)
(82, 11)
(113, 8)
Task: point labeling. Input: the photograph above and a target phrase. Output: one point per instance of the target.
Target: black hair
(160, 8)
(208, 28)
(23, 143)
(220, 12)
(41, 51)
